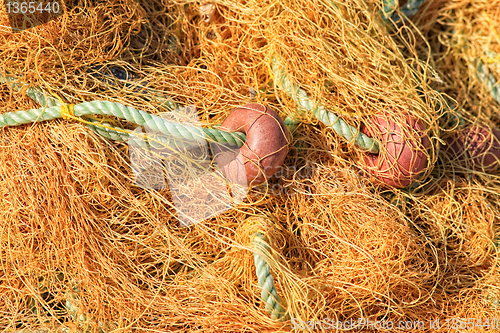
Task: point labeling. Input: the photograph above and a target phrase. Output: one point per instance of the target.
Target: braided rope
(322, 114)
(265, 279)
(158, 124)
(54, 110)
(132, 138)
(175, 130)
(41, 98)
(107, 131)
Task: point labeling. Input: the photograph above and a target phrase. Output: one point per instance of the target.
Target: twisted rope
(265, 279)
(157, 124)
(322, 114)
(112, 74)
(133, 138)
(104, 129)
(53, 110)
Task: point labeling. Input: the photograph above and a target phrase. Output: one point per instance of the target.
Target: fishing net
(93, 239)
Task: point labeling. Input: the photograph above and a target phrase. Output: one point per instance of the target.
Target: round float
(264, 150)
(477, 147)
(403, 149)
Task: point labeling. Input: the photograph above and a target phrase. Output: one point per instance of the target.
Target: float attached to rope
(265, 147)
(259, 131)
(395, 152)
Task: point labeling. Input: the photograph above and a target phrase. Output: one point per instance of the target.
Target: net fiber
(84, 248)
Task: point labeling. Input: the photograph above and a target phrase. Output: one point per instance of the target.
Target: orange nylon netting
(84, 248)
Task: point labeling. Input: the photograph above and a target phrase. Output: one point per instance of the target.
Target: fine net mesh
(86, 246)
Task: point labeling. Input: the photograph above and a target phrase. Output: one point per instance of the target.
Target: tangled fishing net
(87, 245)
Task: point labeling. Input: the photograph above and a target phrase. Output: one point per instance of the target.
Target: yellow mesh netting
(84, 247)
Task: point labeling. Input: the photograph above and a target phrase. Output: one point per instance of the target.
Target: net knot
(67, 110)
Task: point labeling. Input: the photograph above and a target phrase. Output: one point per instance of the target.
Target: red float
(403, 151)
(264, 150)
(476, 147)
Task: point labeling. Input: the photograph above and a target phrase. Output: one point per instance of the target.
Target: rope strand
(265, 279)
(327, 117)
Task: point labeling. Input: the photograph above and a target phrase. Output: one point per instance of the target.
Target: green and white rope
(265, 279)
(52, 110)
(327, 117)
(47, 101)
(154, 123)
(133, 138)
(264, 276)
